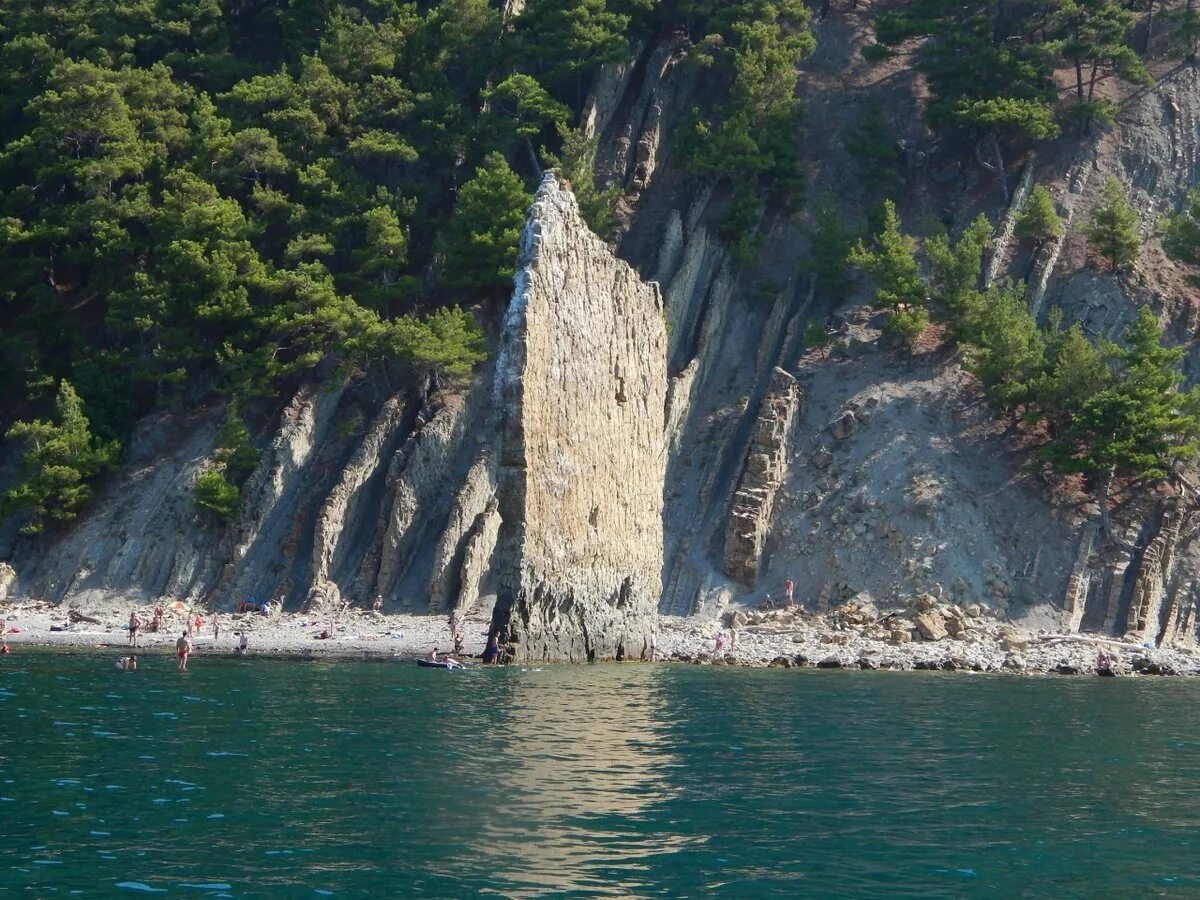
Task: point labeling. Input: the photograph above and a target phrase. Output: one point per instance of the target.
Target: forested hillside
(210, 198)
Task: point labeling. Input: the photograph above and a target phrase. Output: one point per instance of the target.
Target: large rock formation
(582, 381)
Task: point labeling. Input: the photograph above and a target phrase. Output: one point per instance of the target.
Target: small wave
(138, 886)
(214, 886)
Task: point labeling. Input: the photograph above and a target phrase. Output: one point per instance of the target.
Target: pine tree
(1008, 350)
(1181, 232)
(1039, 221)
(481, 237)
(1136, 427)
(892, 265)
(832, 241)
(955, 269)
(1076, 371)
(1113, 227)
(61, 459)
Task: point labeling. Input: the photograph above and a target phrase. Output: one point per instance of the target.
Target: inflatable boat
(430, 664)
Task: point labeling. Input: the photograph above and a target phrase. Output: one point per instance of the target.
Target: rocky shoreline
(853, 637)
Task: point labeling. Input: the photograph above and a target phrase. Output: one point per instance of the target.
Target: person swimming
(127, 664)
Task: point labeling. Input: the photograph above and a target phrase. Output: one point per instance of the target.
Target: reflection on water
(588, 756)
(257, 778)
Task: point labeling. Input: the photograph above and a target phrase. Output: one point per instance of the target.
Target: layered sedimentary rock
(764, 473)
(581, 378)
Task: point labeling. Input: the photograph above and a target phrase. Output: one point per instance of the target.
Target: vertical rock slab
(762, 476)
(582, 383)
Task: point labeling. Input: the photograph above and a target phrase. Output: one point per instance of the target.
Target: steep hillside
(773, 432)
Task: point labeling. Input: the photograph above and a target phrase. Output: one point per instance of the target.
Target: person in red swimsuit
(184, 648)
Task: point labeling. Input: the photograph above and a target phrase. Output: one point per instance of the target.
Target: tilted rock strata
(582, 383)
(765, 471)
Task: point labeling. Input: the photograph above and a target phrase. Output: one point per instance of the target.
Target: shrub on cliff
(60, 461)
(1113, 227)
(218, 490)
(1039, 221)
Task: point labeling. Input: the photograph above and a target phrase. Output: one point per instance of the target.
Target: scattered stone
(780, 662)
(930, 626)
(1010, 640)
(1066, 669)
(1144, 665)
(822, 458)
(927, 665)
(844, 426)
(1015, 662)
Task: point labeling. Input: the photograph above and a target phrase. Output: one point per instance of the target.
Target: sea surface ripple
(266, 778)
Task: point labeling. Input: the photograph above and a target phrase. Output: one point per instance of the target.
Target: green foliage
(1007, 352)
(577, 164)
(815, 334)
(906, 324)
(481, 237)
(1138, 423)
(213, 494)
(954, 269)
(986, 64)
(748, 138)
(1181, 232)
(873, 148)
(832, 241)
(1076, 370)
(1113, 227)
(1185, 38)
(1093, 37)
(217, 490)
(60, 460)
(891, 264)
(1038, 221)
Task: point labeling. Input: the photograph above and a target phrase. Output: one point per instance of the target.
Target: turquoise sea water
(272, 778)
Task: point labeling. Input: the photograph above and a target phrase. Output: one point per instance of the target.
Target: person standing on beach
(216, 628)
(491, 654)
(787, 589)
(135, 623)
(184, 647)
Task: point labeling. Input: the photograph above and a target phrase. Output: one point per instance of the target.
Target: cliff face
(624, 449)
(581, 380)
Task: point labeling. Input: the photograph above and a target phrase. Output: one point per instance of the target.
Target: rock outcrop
(582, 382)
(764, 473)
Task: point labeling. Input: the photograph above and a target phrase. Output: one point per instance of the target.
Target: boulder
(821, 458)
(1014, 662)
(955, 626)
(830, 662)
(930, 626)
(1066, 669)
(1144, 665)
(1012, 641)
(844, 426)
(780, 662)
(8, 579)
